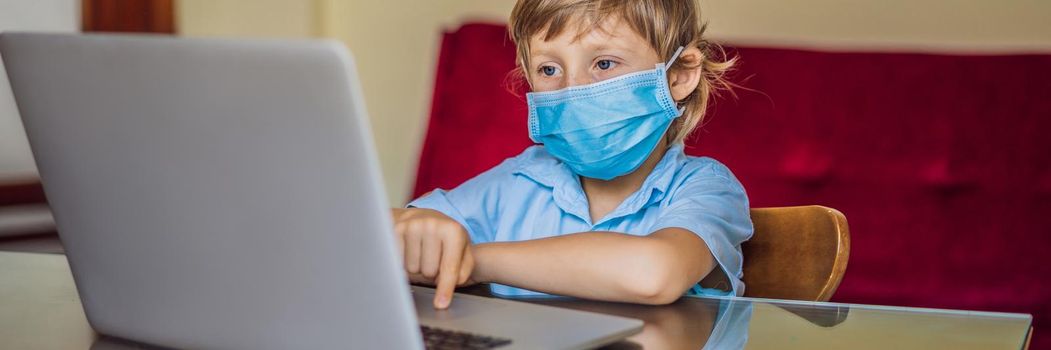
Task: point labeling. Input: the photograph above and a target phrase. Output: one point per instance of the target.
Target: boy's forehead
(610, 31)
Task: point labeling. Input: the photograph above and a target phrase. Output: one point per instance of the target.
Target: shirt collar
(543, 168)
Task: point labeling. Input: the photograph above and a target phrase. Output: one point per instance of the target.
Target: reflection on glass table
(750, 323)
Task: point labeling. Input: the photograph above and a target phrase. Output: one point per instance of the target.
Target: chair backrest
(797, 253)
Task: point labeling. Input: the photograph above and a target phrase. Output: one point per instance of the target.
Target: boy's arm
(653, 269)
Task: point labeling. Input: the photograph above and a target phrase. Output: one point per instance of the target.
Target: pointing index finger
(448, 272)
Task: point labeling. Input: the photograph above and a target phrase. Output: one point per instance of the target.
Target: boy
(608, 206)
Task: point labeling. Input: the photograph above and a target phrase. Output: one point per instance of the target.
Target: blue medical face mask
(605, 129)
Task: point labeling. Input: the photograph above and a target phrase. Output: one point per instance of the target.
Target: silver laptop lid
(214, 193)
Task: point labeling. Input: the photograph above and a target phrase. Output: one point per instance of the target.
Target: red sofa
(941, 163)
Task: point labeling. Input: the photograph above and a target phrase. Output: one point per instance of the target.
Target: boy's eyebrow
(604, 47)
(610, 46)
(607, 43)
(597, 48)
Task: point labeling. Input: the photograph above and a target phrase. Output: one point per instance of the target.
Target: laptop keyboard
(440, 339)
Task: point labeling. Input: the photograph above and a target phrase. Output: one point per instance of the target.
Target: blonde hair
(665, 24)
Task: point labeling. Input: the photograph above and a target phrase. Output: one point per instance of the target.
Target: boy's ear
(684, 81)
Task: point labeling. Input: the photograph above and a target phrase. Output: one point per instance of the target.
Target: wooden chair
(797, 253)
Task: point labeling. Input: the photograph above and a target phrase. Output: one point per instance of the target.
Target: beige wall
(926, 25)
(395, 41)
(247, 18)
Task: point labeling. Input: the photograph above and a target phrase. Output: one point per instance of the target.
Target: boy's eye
(605, 64)
(548, 70)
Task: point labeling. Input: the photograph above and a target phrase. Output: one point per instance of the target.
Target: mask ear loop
(674, 57)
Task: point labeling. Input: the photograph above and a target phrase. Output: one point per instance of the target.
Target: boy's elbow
(656, 282)
(654, 289)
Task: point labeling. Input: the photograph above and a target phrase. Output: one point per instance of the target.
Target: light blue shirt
(533, 195)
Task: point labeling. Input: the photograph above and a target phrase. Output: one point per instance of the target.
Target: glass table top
(41, 310)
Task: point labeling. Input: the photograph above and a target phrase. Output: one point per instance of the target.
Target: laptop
(217, 193)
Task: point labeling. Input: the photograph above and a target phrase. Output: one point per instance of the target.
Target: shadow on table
(688, 323)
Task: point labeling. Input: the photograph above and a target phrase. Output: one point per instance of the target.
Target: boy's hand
(436, 249)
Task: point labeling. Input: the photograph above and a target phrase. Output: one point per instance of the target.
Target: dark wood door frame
(141, 16)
